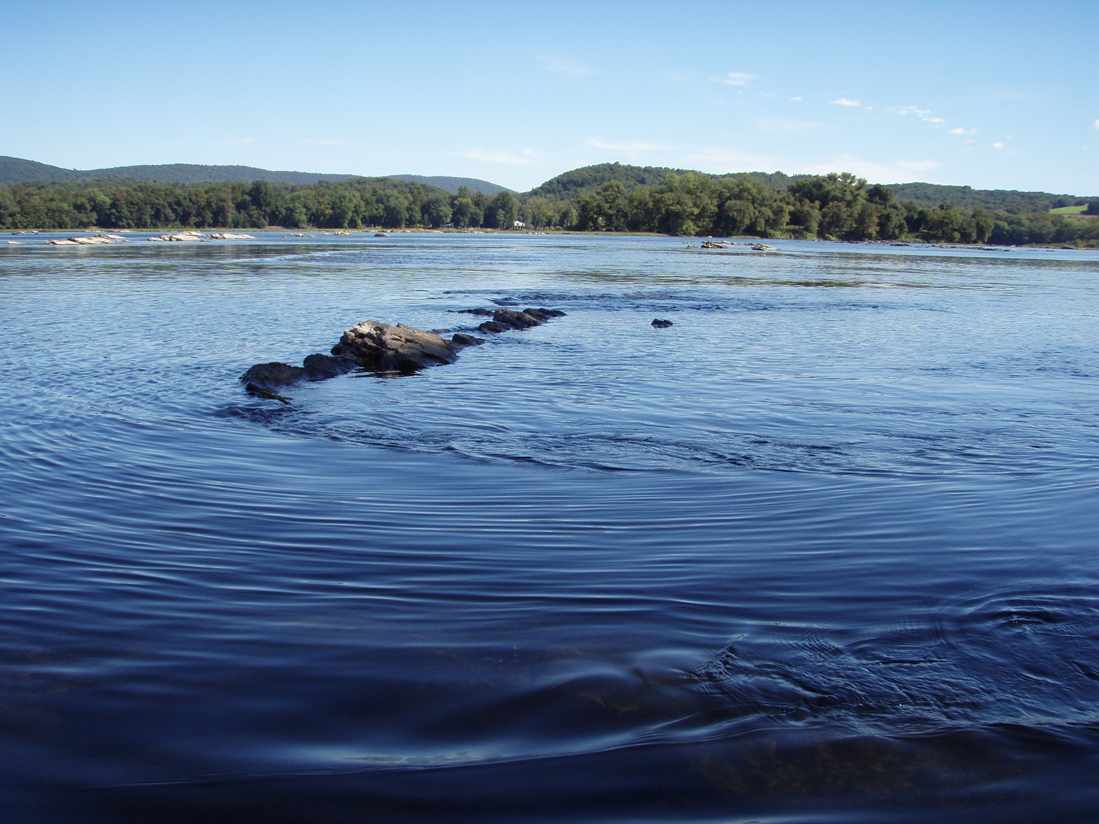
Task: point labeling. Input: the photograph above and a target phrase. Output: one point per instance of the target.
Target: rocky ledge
(388, 349)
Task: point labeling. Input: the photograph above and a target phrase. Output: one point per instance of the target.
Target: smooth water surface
(824, 550)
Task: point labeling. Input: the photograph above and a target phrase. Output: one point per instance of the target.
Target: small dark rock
(322, 367)
(515, 320)
(462, 339)
(273, 374)
(544, 314)
(482, 312)
(492, 327)
(661, 323)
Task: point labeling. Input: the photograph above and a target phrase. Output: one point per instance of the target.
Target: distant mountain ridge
(589, 178)
(19, 170)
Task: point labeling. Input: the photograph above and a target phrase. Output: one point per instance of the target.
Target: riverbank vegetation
(609, 197)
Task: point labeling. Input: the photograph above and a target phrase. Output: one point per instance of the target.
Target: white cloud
(736, 79)
(798, 98)
(721, 159)
(896, 171)
(919, 113)
(970, 142)
(564, 65)
(503, 158)
(961, 132)
(626, 147)
(847, 103)
(1096, 124)
(725, 159)
(999, 145)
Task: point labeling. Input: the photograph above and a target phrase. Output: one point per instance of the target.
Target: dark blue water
(825, 550)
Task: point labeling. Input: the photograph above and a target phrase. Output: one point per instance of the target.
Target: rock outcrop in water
(384, 347)
(661, 323)
(387, 348)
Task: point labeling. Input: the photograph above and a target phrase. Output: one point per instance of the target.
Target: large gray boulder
(392, 347)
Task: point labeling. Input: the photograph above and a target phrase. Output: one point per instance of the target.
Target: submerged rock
(264, 392)
(661, 323)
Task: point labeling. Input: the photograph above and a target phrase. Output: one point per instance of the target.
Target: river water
(825, 550)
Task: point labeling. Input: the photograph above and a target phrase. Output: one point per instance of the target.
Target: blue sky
(993, 95)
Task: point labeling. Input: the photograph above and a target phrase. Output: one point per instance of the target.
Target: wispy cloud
(999, 145)
(624, 147)
(797, 98)
(504, 158)
(1096, 124)
(962, 132)
(723, 159)
(736, 79)
(919, 113)
(564, 65)
(848, 103)
(895, 171)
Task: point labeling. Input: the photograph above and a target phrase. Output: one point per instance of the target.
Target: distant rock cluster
(87, 240)
(387, 348)
(172, 237)
(179, 237)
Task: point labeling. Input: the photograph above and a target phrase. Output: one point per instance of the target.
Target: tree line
(836, 206)
(342, 205)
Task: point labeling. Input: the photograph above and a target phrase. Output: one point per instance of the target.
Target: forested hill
(573, 183)
(1008, 200)
(588, 178)
(18, 170)
(453, 184)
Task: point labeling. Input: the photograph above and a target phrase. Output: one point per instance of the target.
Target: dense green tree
(436, 210)
(502, 211)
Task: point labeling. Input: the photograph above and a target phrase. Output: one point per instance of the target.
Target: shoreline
(305, 232)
